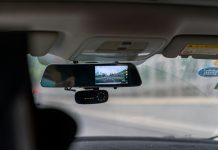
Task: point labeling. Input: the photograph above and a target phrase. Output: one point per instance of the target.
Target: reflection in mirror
(54, 77)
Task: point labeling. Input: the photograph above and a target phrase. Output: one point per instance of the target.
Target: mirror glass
(91, 75)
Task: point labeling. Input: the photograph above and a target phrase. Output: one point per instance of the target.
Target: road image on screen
(111, 75)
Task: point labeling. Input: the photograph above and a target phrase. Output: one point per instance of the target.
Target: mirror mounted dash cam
(91, 75)
(91, 96)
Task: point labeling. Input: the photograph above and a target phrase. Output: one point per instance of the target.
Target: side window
(36, 69)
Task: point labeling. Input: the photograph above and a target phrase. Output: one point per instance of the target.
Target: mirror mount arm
(75, 62)
(69, 89)
(86, 88)
(97, 88)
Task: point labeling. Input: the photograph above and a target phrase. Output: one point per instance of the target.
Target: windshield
(174, 100)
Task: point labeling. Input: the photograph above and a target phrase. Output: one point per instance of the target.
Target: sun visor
(40, 42)
(118, 49)
(197, 46)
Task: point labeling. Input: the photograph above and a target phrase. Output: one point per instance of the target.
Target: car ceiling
(174, 2)
(77, 22)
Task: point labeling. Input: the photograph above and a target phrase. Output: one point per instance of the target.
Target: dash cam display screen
(111, 75)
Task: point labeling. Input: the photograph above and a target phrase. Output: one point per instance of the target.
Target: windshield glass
(174, 100)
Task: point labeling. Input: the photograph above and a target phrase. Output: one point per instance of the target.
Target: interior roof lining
(77, 22)
(209, 3)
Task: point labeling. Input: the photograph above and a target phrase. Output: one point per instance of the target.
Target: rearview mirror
(91, 75)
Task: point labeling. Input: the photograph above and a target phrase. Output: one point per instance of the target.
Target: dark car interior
(23, 126)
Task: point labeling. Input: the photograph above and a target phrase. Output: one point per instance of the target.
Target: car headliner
(77, 22)
(174, 2)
